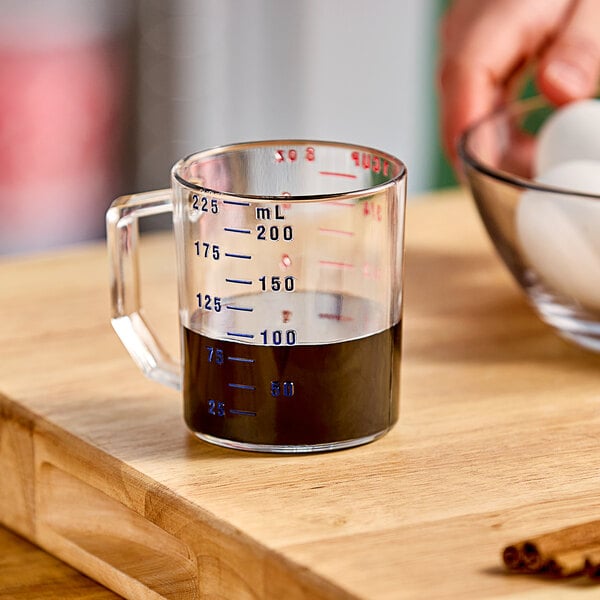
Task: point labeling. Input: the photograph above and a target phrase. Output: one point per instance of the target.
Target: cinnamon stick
(574, 562)
(558, 552)
(593, 564)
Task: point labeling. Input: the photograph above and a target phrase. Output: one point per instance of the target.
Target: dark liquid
(292, 395)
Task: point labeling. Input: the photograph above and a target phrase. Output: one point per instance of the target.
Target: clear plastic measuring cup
(290, 259)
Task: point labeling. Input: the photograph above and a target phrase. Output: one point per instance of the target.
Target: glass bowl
(548, 237)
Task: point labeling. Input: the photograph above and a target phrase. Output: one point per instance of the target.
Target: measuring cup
(290, 259)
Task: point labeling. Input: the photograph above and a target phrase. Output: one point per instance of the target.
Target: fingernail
(568, 77)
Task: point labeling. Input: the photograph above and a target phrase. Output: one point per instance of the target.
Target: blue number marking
(246, 413)
(274, 284)
(242, 335)
(215, 254)
(235, 230)
(242, 308)
(216, 408)
(210, 302)
(236, 202)
(217, 354)
(240, 359)
(273, 233)
(208, 204)
(241, 386)
(276, 336)
(285, 388)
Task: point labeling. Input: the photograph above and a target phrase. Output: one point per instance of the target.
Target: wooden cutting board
(28, 573)
(497, 440)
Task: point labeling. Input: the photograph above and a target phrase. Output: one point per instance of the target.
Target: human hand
(487, 44)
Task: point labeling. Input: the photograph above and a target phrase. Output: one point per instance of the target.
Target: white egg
(571, 133)
(560, 234)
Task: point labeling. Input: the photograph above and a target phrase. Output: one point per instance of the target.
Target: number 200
(274, 232)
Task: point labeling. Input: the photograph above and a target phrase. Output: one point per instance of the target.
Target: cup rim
(176, 171)
(469, 158)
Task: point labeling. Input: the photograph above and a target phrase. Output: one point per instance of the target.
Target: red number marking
(291, 155)
(336, 231)
(370, 208)
(334, 317)
(366, 160)
(335, 174)
(336, 264)
(286, 261)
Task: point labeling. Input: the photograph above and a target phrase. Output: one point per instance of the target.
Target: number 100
(278, 337)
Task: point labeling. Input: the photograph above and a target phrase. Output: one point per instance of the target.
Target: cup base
(289, 449)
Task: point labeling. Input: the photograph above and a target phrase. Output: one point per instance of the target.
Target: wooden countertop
(497, 440)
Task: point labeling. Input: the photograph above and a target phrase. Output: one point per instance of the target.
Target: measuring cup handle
(122, 234)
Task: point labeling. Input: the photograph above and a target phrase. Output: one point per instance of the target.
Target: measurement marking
(245, 413)
(242, 335)
(335, 264)
(343, 204)
(242, 308)
(334, 317)
(232, 255)
(241, 386)
(336, 231)
(240, 359)
(336, 174)
(236, 202)
(241, 281)
(234, 230)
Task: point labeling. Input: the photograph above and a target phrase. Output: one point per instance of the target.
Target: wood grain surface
(497, 440)
(28, 573)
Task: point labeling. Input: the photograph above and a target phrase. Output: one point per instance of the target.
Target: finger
(478, 61)
(467, 95)
(472, 66)
(570, 67)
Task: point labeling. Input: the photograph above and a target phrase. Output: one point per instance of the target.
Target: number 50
(282, 388)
